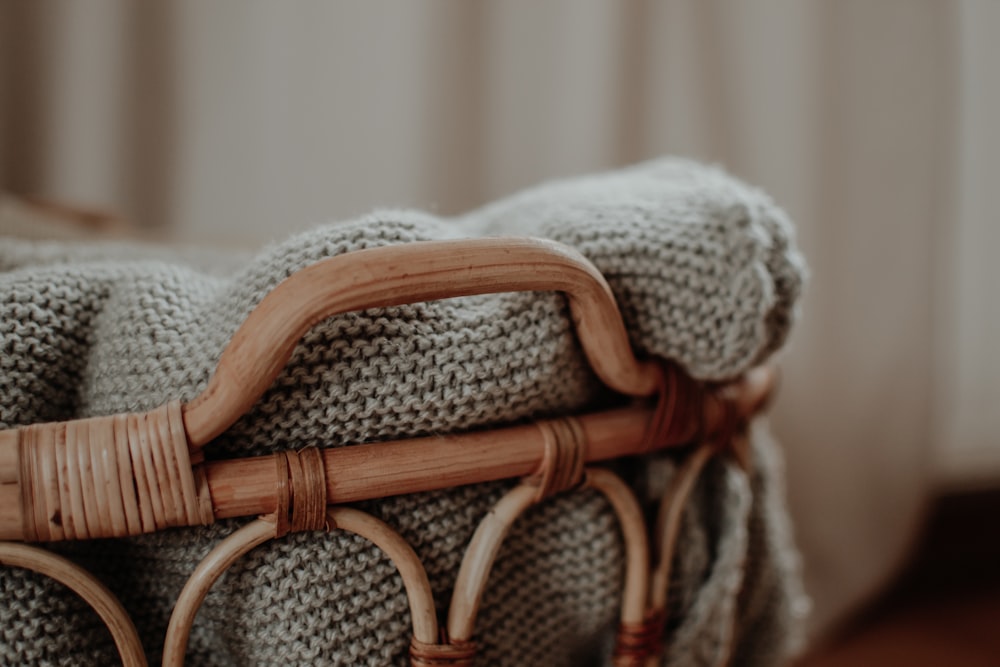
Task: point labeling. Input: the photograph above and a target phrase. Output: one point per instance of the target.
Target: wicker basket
(136, 473)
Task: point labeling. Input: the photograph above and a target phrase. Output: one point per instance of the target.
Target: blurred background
(873, 123)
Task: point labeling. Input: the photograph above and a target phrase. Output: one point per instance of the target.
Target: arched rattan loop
(640, 644)
(230, 549)
(198, 584)
(485, 544)
(478, 559)
(635, 537)
(109, 477)
(94, 593)
(668, 521)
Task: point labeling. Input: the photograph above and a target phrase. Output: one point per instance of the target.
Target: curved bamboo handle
(411, 273)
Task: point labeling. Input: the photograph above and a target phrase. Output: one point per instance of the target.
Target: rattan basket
(128, 474)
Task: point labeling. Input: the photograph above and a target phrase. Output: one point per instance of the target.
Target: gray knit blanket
(706, 274)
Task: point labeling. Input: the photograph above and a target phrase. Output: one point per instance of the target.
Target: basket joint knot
(562, 466)
(301, 491)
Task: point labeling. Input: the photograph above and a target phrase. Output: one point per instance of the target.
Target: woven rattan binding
(128, 474)
(110, 476)
(562, 463)
(444, 653)
(301, 491)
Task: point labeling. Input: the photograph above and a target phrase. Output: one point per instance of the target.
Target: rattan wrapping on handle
(110, 476)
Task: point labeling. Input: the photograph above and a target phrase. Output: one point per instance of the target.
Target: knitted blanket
(706, 273)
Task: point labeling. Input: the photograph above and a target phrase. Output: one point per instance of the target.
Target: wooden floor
(946, 610)
(962, 629)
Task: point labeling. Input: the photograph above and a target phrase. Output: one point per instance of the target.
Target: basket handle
(410, 273)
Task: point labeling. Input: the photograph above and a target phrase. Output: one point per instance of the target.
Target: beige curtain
(873, 123)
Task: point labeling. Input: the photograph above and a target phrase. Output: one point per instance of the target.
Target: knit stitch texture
(705, 271)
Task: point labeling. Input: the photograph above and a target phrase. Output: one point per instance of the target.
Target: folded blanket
(705, 271)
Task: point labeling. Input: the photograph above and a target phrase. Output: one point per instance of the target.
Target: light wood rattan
(85, 585)
(229, 550)
(124, 475)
